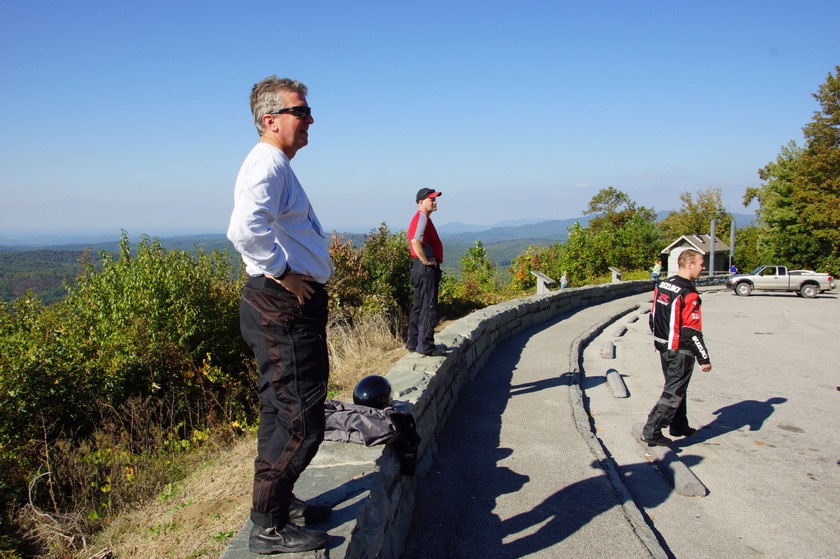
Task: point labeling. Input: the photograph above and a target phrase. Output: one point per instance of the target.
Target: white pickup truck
(778, 278)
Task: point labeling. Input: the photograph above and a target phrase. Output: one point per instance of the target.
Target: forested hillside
(46, 270)
(42, 271)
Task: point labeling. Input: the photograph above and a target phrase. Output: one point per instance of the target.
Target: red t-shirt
(422, 229)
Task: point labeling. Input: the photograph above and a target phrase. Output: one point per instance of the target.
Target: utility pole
(712, 249)
(731, 243)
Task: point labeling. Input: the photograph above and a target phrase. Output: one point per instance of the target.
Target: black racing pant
(425, 313)
(289, 341)
(671, 410)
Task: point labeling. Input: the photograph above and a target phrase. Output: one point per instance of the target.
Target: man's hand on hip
(297, 284)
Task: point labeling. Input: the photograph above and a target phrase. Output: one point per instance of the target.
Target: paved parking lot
(769, 419)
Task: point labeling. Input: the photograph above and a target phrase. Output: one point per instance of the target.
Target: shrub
(153, 319)
(372, 279)
(549, 261)
(155, 327)
(476, 288)
(345, 288)
(387, 263)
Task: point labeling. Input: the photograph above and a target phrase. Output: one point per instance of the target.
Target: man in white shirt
(283, 315)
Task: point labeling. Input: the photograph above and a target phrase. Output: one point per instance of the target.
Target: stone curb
(608, 351)
(586, 429)
(685, 482)
(616, 384)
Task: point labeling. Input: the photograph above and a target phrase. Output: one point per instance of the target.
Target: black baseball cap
(424, 193)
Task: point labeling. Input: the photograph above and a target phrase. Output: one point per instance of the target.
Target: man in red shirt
(677, 328)
(427, 255)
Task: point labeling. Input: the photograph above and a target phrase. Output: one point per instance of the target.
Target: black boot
(657, 440)
(285, 539)
(310, 514)
(684, 432)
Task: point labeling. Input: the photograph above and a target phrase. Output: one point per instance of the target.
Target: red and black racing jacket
(675, 318)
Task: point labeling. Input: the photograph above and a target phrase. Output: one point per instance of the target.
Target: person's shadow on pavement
(749, 413)
(559, 516)
(459, 513)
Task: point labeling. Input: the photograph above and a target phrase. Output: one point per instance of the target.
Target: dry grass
(193, 519)
(196, 518)
(366, 347)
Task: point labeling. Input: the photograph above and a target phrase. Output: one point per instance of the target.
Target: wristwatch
(285, 273)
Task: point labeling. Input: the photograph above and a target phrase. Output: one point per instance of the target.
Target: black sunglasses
(301, 111)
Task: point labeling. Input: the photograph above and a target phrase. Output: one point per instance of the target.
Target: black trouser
(671, 410)
(289, 341)
(425, 314)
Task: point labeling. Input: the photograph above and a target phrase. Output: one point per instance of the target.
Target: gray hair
(267, 96)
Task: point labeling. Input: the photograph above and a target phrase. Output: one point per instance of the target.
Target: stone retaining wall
(429, 387)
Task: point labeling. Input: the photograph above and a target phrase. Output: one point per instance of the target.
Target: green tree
(747, 248)
(623, 235)
(478, 275)
(799, 202)
(585, 253)
(637, 243)
(613, 208)
(631, 247)
(695, 216)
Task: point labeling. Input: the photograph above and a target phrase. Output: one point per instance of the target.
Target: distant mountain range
(456, 227)
(545, 231)
(25, 264)
(551, 230)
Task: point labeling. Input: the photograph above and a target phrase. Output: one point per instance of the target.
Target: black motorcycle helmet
(373, 391)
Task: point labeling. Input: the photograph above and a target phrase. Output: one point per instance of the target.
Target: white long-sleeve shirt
(273, 223)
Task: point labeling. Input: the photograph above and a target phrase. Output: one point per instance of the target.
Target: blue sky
(135, 116)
